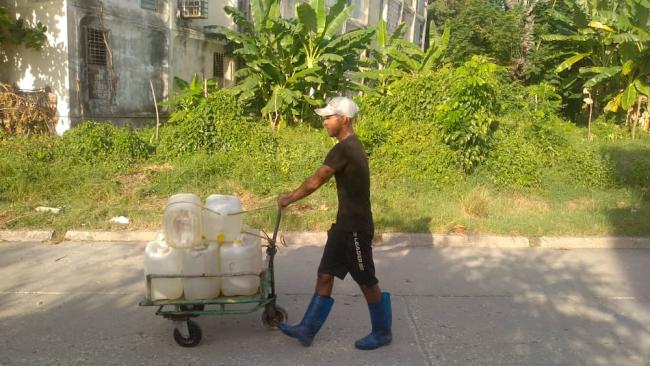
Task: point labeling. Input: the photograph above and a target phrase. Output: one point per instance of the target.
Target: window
(97, 62)
(217, 66)
(96, 47)
(193, 9)
(149, 4)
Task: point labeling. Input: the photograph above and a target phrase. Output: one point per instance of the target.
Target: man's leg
(362, 268)
(324, 284)
(316, 314)
(321, 303)
(371, 293)
(381, 318)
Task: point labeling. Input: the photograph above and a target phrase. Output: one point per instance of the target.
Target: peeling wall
(141, 44)
(193, 54)
(32, 69)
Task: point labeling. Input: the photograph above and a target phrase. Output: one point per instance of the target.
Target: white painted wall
(48, 67)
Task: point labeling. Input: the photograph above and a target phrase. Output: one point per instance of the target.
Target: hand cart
(188, 333)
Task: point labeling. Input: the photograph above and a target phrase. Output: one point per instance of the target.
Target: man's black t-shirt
(348, 159)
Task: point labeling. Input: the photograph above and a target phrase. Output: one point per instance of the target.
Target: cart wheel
(194, 338)
(272, 322)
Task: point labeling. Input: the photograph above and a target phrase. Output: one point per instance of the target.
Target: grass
(93, 193)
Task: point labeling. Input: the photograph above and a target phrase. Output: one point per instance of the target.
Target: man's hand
(284, 199)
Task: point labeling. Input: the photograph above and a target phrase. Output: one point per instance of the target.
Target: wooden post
(155, 104)
(638, 118)
(591, 109)
(647, 110)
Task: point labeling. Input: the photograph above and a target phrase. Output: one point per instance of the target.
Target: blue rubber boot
(305, 331)
(381, 317)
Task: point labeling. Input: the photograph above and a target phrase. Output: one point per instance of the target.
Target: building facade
(105, 60)
(102, 58)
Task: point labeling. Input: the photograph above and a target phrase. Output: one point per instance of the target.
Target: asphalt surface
(77, 304)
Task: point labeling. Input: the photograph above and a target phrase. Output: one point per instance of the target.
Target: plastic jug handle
(220, 237)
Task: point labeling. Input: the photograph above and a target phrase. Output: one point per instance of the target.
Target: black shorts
(349, 252)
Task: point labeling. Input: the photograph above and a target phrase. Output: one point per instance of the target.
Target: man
(348, 248)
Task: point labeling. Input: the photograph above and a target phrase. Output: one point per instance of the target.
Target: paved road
(76, 303)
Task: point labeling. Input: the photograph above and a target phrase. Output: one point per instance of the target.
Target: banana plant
(293, 64)
(610, 43)
(394, 58)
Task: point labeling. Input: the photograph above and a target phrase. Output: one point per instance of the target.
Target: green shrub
(414, 99)
(530, 103)
(372, 127)
(631, 162)
(467, 116)
(27, 161)
(541, 153)
(584, 165)
(416, 154)
(36, 148)
(91, 142)
(604, 130)
(301, 151)
(218, 125)
(461, 102)
(514, 160)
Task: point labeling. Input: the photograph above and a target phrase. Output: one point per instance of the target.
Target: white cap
(341, 106)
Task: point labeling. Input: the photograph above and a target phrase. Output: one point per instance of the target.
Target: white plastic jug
(201, 261)
(241, 256)
(218, 225)
(161, 259)
(182, 221)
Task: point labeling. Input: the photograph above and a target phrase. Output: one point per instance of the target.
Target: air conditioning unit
(193, 9)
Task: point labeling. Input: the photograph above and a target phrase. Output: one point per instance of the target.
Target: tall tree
(291, 64)
(479, 27)
(610, 48)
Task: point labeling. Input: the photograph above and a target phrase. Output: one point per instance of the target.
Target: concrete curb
(594, 242)
(26, 235)
(302, 238)
(74, 235)
(444, 241)
(306, 238)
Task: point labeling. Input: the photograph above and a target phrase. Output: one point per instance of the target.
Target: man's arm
(311, 184)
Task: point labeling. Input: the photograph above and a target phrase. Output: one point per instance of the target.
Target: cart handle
(277, 227)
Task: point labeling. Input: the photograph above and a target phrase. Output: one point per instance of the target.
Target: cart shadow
(520, 306)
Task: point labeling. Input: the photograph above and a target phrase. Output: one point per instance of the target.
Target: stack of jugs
(196, 241)
(162, 259)
(244, 255)
(240, 253)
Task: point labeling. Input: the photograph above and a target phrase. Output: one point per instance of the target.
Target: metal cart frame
(187, 333)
